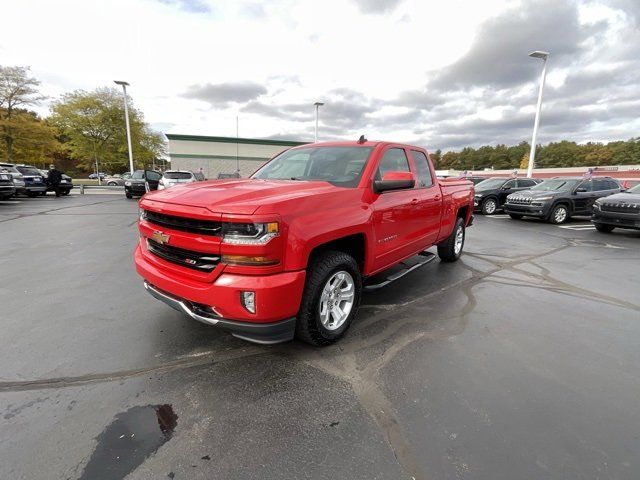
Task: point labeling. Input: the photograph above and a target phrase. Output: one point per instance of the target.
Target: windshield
(635, 189)
(556, 184)
(340, 166)
(177, 175)
(138, 175)
(29, 171)
(491, 183)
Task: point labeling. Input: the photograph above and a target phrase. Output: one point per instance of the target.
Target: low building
(222, 155)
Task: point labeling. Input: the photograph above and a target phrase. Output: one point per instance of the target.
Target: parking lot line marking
(498, 216)
(577, 227)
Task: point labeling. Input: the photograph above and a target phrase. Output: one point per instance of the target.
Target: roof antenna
(362, 139)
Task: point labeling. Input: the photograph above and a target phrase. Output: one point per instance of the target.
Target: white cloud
(302, 51)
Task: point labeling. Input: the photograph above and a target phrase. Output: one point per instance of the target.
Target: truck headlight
(142, 214)
(596, 206)
(249, 233)
(127, 183)
(543, 199)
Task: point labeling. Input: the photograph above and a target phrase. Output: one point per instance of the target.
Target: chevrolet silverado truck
(287, 252)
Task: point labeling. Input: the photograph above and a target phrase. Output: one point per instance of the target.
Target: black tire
(309, 327)
(112, 184)
(604, 228)
(64, 192)
(33, 194)
(447, 250)
(489, 206)
(557, 217)
(128, 195)
(516, 216)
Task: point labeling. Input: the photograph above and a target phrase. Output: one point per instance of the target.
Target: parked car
(558, 199)
(7, 188)
(66, 183)
(476, 180)
(287, 251)
(176, 177)
(18, 178)
(117, 179)
(140, 182)
(491, 193)
(621, 210)
(34, 183)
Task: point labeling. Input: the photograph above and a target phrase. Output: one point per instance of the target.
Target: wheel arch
(354, 245)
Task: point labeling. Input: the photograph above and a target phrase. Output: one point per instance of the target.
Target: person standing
(55, 176)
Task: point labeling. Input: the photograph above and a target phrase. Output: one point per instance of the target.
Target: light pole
(532, 155)
(126, 119)
(318, 105)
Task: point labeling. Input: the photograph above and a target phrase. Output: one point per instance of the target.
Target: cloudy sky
(438, 74)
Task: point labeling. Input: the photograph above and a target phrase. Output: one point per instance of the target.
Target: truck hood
(238, 196)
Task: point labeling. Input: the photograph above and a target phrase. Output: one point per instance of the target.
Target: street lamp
(532, 155)
(318, 105)
(126, 119)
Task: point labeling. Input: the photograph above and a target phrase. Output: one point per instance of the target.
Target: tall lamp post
(126, 119)
(532, 155)
(318, 105)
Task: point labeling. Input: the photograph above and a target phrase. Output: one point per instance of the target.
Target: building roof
(245, 141)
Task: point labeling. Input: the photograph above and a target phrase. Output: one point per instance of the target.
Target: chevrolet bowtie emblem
(160, 237)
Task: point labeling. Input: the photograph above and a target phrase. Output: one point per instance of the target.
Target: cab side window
(586, 186)
(510, 184)
(393, 160)
(526, 183)
(422, 169)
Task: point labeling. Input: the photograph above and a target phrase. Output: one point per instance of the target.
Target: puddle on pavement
(129, 440)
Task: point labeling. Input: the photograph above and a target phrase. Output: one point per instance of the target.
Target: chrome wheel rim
(490, 207)
(560, 215)
(336, 300)
(459, 241)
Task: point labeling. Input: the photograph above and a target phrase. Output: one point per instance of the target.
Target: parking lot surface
(519, 361)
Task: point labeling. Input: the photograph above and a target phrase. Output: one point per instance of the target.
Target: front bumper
(264, 333)
(36, 188)
(622, 220)
(218, 300)
(136, 189)
(540, 211)
(7, 190)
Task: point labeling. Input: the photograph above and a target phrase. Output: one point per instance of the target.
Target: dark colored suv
(558, 199)
(492, 192)
(620, 210)
(140, 182)
(7, 188)
(34, 183)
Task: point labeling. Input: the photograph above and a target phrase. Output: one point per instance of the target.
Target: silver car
(179, 177)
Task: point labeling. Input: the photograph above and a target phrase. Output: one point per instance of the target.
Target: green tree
(17, 90)
(92, 127)
(32, 139)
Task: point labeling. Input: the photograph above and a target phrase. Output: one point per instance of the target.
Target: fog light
(248, 300)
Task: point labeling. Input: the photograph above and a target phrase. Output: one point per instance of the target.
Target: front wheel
(516, 216)
(559, 215)
(601, 227)
(330, 300)
(451, 249)
(128, 195)
(489, 206)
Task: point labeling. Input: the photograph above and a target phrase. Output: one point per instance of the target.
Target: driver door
(152, 178)
(394, 213)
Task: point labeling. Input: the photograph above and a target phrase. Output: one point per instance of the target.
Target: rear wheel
(33, 194)
(601, 227)
(64, 192)
(112, 184)
(516, 216)
(489, 206)
(451, 249)
(330, 300)
(128, 195)
(559, 214)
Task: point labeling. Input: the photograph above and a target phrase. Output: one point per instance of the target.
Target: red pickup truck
(288, 251)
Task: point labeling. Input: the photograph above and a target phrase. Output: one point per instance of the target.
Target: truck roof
(354, 143)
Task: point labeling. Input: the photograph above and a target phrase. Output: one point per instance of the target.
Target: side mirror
(580, 190)
(394, 181)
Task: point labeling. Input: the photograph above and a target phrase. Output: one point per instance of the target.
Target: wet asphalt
(520, 361)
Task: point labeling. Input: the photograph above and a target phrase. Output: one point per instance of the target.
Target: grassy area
(85, 181)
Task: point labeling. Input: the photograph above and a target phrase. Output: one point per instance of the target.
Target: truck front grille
(203, 262)
(192, 225)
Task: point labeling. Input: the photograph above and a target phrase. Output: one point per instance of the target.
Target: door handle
(414, 201)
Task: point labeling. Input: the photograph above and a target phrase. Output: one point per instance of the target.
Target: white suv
(178, 177)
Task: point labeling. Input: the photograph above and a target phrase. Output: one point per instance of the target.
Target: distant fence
(104, 188)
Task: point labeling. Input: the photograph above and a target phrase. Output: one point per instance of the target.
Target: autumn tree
(17, 91)
(93, 129)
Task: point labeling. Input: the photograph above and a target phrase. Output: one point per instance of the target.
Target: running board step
(422, 258)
